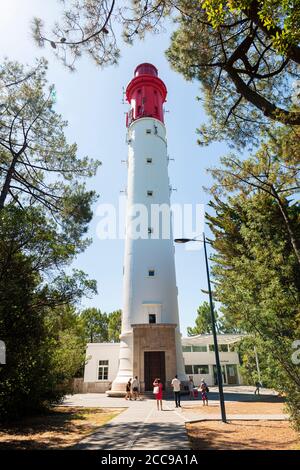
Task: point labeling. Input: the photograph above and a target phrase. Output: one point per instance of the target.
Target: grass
(242, 435)
(60, 428)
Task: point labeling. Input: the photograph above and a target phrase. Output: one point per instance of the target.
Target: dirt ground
(61, 428)
(236, 408)
(244, 435)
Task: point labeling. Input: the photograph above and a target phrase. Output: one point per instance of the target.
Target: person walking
(176, 388)
(258, 386)
(191, 388)
(135, 386)
(158, 392)
(204, 392)
(128, 390)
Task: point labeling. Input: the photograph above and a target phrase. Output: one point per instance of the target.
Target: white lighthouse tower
(150, 341)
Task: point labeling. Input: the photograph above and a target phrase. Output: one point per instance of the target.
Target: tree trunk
(6, 185)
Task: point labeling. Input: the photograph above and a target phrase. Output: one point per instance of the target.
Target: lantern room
(146, 94)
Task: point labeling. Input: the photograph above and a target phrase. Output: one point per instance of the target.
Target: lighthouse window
(152, 318)
(103, 370)
(148, 131)
(151, 272)
(150, 230)
(150, 193)
(149, 160)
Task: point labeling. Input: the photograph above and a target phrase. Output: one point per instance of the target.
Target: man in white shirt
(176, 388)
(135, 388)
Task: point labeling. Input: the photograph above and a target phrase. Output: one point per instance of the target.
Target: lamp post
(213, 324)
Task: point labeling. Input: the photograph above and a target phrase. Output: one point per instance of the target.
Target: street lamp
(213, 324)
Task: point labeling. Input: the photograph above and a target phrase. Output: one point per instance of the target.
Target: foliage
(245, 79)
(114, 326)
(245, 53)
(40, 330)
(37, 165)
(203, 322)
(101, 327)
(273, 170)
(256, 269)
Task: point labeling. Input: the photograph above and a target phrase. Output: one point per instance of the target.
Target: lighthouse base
(154, 354)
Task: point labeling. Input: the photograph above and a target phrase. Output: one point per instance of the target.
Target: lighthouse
(150, 340)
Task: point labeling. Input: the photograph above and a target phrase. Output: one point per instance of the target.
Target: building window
(150, 193)
(201, 369)
(152, 318)
(186, 348)
(149, 160)
(189, 370)
(151, 272)
(150, 230)
(148, 131)
(221, 347)
(199, 349)
(103, 370)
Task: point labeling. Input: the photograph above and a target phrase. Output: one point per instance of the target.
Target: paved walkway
(141, 426)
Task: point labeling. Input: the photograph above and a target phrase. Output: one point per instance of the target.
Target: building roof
(208, 339)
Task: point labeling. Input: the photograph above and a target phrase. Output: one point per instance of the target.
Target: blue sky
(91, 100)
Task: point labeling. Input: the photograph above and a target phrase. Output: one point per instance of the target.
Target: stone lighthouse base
(154, 354)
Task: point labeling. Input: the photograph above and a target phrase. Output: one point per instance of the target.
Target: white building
(199, 360)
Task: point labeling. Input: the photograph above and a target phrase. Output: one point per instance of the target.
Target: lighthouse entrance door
(154, 367)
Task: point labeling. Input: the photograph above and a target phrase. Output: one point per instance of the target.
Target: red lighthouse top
(146, 94)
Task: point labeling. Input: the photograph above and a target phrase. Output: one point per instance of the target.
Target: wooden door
(154, 367)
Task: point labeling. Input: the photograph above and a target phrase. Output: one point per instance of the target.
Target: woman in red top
(158, 392)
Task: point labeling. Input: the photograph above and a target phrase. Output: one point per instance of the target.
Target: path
(141, 426)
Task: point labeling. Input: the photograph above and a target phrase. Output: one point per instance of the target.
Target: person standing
(204, 392)
(258, 386)
(158, 392)
(128, 390)
(176, 388)
(191, 388)
(135, 386)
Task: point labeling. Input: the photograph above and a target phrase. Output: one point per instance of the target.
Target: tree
(274, 170)
(95, 324)
(101, 327)
(114, 326)
(256, 274)
(203, 322)
(245, 53)
(244, 64)
(37, 165)
(43, 344)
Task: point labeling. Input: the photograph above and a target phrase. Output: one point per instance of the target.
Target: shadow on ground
(135, 436)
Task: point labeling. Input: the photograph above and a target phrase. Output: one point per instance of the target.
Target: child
(204, 391)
